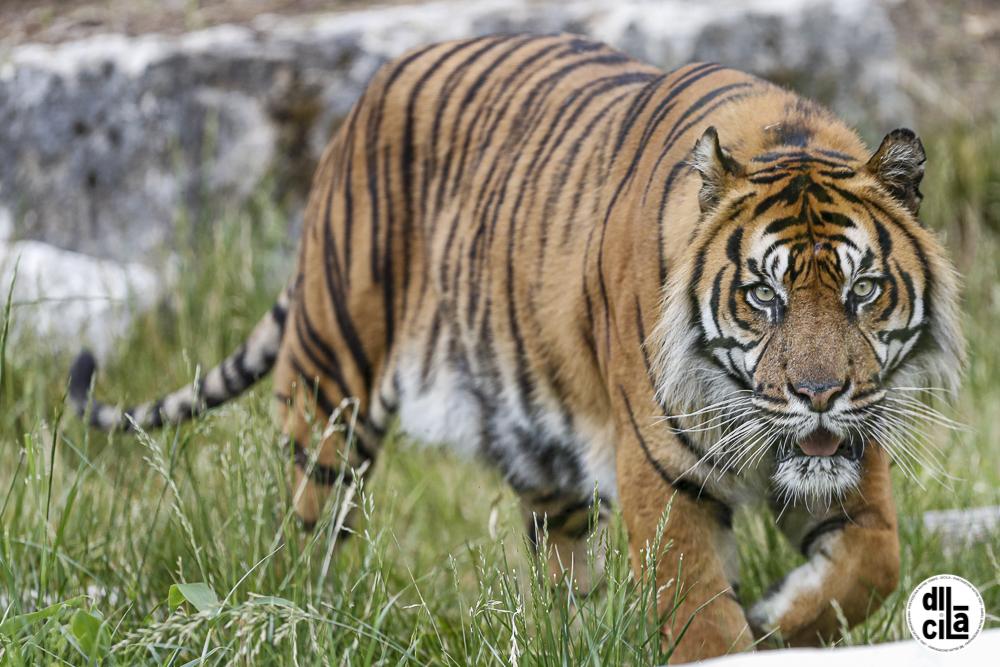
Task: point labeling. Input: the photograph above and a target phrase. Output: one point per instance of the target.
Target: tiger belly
(480, 414)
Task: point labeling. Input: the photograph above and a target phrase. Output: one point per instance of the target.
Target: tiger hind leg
(568, 528)
(330, 442)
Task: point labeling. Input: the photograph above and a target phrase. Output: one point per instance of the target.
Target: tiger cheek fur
(562, 261)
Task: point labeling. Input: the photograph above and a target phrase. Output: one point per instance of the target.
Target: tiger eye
(763, 294)
(863, 288)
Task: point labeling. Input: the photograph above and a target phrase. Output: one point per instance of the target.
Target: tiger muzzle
(819, 395)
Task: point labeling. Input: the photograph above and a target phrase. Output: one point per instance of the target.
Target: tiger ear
(717, 167)
(899, 165)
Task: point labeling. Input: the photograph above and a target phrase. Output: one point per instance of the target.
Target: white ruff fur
(683, 383)
(814, 479)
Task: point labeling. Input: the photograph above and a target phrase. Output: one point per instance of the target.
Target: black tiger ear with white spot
(899, 165)
(717, 167)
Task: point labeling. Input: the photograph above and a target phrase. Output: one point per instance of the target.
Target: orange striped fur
(590, 273)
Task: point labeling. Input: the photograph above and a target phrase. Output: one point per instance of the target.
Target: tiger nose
(819, 394)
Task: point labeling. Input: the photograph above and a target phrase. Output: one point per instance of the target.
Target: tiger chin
(670, 293)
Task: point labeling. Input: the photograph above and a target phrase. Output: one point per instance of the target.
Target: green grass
(96, 529)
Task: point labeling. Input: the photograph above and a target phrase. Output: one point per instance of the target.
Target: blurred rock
(65, 300)
(6, 223)
(961, 528)
(104, 141)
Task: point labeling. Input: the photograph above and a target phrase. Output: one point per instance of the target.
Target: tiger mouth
(822, 443)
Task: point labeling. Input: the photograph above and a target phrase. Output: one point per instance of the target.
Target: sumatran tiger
(620, 286)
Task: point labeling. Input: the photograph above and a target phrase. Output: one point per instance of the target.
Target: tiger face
(815, 303)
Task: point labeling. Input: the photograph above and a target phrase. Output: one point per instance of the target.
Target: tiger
(664, 294)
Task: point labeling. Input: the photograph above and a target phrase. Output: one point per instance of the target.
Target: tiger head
(809, 307)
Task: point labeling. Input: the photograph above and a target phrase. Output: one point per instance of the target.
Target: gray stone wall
(106, 142)
(103, 142)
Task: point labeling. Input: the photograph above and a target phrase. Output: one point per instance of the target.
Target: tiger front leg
(853, 564)
(694, 559)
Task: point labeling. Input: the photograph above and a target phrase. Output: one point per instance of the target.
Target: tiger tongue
(819, 443)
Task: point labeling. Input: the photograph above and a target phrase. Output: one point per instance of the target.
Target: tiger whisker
(766, 437)
(915, 435)
(788, 501)
(763, 450)
(723, 442)
(930, 390)
(927, 412)
(755, 450)
(743, 449)
(758, 452)
(910, 426)
(918, 404)
(739, 451)
(750, 426)
(924, 450)
(902, 451)
(720, 405)
(911, 398)
(709, 426)
(874, 435)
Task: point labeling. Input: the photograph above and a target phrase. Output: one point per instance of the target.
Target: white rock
(959, 528)
(6, 223)
(66, 300)
(981, 652)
